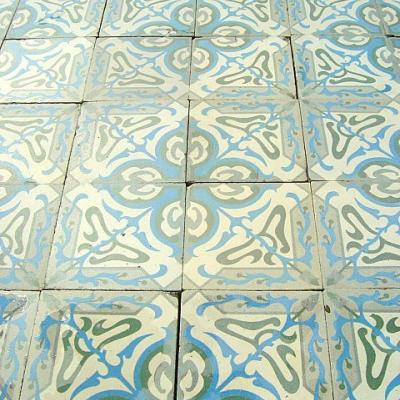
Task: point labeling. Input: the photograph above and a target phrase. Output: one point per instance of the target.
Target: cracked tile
(358, 232)
(242, 68)
(36, 142)
(139, 68)
(236, 18)
(141, 142)
(56, 18)
(103, 345)
(17, 314)
(152, 18)
(253, 345)
(119, 235)
(240, 141)
(44, 70)
(27, 218)
(363, 340)
(258, 236)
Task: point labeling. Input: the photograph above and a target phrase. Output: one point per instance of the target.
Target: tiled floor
(199, 199)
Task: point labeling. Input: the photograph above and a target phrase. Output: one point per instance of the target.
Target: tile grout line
(9, 25)
(178, 342)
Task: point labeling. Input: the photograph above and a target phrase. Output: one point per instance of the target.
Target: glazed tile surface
(191, 191)
(27, 217)
(364, 343)
(44, 70)
(237, 18)
(103, 238)
(250, 236)
(17, 314)
(36, 142)
(130, 142)
(133, 68)
(241, 68)
(149, 18)
(358, 231)
(61, 18)
(104, 345)
(253, 345)
(245, 142)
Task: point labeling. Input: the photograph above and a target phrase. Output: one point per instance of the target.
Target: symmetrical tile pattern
(191, 191)
(17, 314)
(118, 235)
(364, 337)
(253, 345)
(118, 345)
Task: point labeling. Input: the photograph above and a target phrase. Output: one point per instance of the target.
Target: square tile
(250, 236)
(138, 68)
(352, 139)
(27, 218)
(7, 10)
(364, 335)
(245, 142)
(44, 70)
(346, 66)
(253, 345)
(103, 345)
(56, 18)
(358, 232)
(239, 67)
(152, 17)
(142, 142)
(119, 235)
(341, 17)
(390, 11)
(35, 142)
(236, 18)
(17, 314)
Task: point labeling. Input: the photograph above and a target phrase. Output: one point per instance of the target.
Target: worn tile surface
(390, 11)
(28, 214)
(256, 141)
(118, 235)
(103, 344)
(358, 232)
(254, 236)
(60, 18)
(44, 70)
(363, 340)
(17, 314)
(237, 18)
(149, 18)
(141, 142)
(134, 68)
(253, 345)
(36, 142)
(7, 10)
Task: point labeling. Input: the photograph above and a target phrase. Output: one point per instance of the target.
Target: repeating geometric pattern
(136, 68)
(238, 17)
(346, 65)
(130, 142)
(152, 17)
(44, 70)
(120, 235)
(35, 142)
(248, 142)
(258, 235)
(27, 218)
(364, 338)
(60, 18)
(103, 345)
(241, 68)
(17, 313)
(253, 345)
(7, 10)
(343, 17)
(358, 232)
(352, 140)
